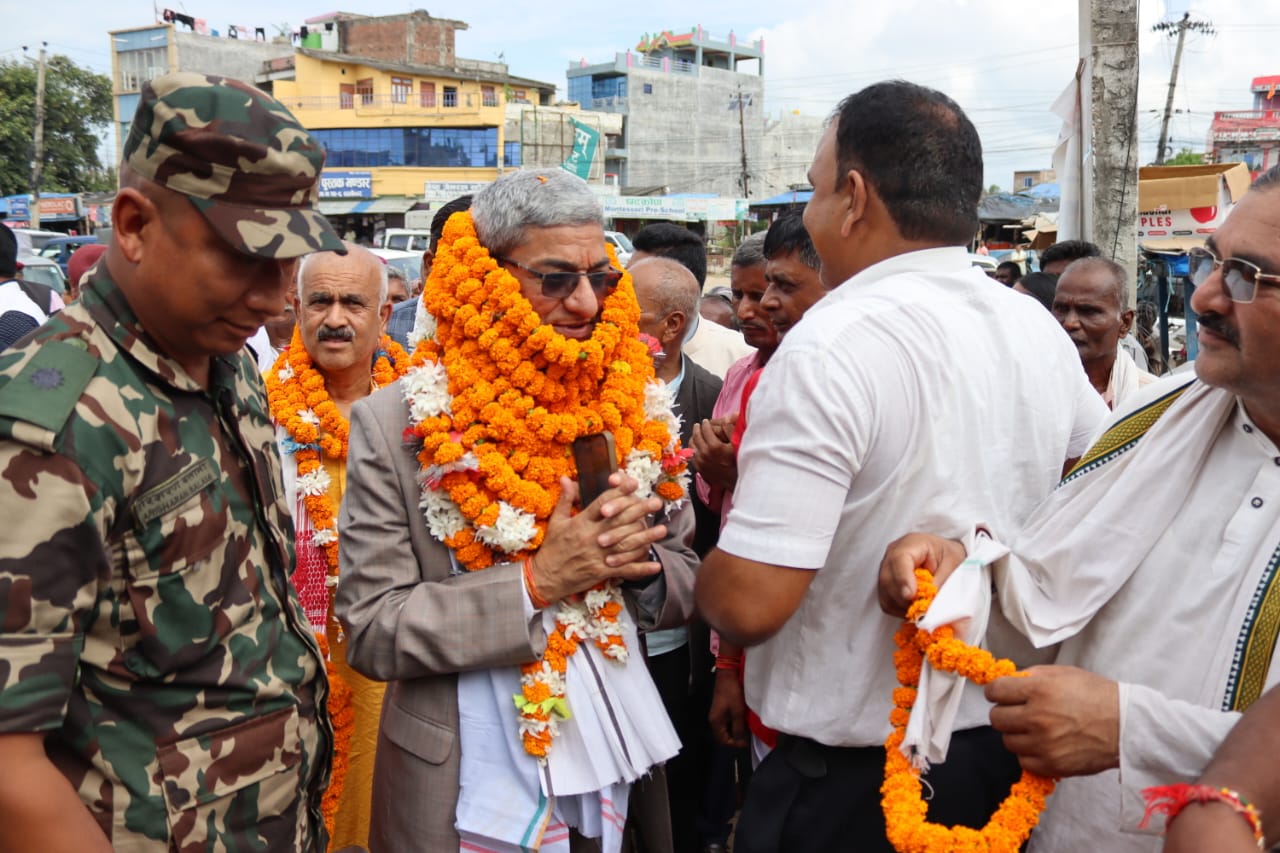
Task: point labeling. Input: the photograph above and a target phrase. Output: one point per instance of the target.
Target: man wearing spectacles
(454, 611)
(1153, 565)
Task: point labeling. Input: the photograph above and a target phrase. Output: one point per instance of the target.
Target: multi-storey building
(692, 120)
(395, 108)
(1251, 136)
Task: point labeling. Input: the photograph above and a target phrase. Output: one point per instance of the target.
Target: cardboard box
(1178, 206)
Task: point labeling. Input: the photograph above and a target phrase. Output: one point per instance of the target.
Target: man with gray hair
(467, 578)
(1091, 302)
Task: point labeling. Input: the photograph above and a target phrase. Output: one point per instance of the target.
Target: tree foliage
(77, 106)
(1185, 157)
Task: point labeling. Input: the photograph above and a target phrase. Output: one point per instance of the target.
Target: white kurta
(1154, 579)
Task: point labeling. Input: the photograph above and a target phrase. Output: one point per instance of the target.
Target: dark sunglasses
(560, 284)
(1241, 278)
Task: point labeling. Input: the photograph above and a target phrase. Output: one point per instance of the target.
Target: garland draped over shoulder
(300, 403)
(496, 398)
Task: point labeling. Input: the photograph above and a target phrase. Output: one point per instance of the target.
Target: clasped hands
(713, 455)
(1059, 720)
(610, 538)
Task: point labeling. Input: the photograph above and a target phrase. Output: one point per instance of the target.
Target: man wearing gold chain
(338, 355)
(518, 709)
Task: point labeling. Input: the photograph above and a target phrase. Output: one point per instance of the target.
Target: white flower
(285, 373)
(596, 598)
(424, 326)
(659, 405)
(645, 470)
(432, 474)
(324, 536)
(444, 519)
(426, 390)
(315, 483)
(512, 532)
(307, 416)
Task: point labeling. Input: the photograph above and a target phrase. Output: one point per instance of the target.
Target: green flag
(579, 160)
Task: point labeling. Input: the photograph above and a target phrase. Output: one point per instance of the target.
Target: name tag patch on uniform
(173, 492)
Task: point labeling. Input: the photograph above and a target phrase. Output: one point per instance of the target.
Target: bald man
(1091, 302)
(342, 306)
(668, 295)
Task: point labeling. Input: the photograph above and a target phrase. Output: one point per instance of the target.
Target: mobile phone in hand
(596, 459)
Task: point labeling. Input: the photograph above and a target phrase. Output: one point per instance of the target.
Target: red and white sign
(57, 207)
(1197, 221)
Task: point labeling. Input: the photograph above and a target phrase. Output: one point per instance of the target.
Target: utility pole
(1181, 28)
(742, 135)
(1109, 96)
(37, 160)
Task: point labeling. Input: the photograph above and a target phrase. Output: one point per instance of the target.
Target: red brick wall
(416, 38)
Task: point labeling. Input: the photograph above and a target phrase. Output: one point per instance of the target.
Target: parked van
(406, 239)
(621, 246)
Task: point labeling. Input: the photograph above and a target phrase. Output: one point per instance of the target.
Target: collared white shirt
(919, 395)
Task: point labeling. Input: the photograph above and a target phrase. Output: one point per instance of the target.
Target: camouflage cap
(239, 155)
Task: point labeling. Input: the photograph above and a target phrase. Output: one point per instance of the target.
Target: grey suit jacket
(410, 622)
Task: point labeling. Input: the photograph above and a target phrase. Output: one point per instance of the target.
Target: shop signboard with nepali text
(346, 184)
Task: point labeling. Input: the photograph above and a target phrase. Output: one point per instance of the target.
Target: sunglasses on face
(1241, 278)
(560, 284)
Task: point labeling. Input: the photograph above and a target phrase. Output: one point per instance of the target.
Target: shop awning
(387, 204)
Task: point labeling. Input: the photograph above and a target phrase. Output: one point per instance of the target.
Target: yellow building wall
(315, 99)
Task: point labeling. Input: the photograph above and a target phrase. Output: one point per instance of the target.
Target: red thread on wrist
(532, 588)
(728, 663)
(1170, 800)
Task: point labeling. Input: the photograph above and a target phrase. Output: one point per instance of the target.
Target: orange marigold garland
(904, 809)
(301, 405)
(497, 398)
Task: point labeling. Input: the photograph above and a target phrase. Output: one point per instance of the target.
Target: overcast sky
(1004, 61)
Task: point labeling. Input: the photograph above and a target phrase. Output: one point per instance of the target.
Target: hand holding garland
(1059, 720)
(610, 539)
(897, 582)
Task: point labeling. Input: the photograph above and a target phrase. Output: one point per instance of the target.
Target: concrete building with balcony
(142, 53)
(541, 137)
(1251, 136)
(396, 109)
(692, 106)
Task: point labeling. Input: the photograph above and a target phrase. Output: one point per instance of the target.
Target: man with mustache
(1091, 302)
(338, 354)
(1164, 616)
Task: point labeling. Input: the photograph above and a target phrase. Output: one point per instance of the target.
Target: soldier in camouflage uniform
(154, 660)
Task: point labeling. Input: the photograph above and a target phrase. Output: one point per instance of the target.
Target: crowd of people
(308, 562)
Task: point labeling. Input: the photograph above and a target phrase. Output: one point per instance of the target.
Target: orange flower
(904, 809)
(519, 394)
(302, 388)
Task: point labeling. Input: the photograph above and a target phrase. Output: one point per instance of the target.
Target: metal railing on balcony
(616, 102)
(446, 104)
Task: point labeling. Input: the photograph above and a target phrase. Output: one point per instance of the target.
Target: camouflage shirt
(146, 620)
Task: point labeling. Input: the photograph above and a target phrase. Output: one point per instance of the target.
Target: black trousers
(809, 797)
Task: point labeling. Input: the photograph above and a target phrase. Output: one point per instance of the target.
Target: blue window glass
(580, 90)
(475, 147)
(511, 153)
